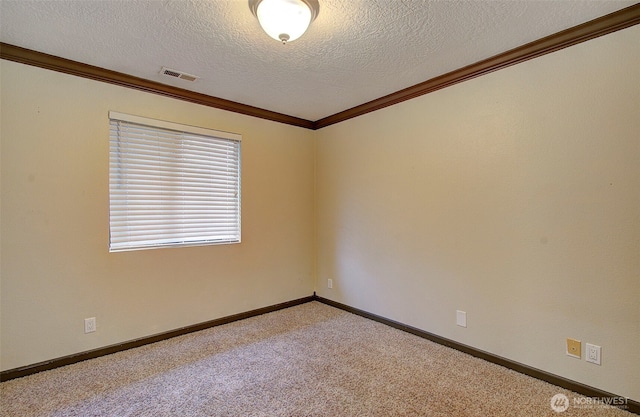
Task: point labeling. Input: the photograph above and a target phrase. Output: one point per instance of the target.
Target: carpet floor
(307, 360)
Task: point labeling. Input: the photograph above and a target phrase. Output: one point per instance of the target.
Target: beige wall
(56, 269)
(514, 197)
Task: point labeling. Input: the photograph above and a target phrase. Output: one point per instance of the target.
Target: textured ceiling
(354, 52)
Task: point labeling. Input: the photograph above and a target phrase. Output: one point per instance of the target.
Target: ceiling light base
(285, 20)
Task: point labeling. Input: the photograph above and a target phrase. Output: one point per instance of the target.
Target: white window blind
(171, 184)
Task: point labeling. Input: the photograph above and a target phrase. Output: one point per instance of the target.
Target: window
(171, 184)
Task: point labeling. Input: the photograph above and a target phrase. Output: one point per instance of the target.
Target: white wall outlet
(330, 283)
(90, 325)
(593, 353)
(461, 318)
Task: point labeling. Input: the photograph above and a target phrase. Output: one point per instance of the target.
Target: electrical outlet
(574, 348)
(330, 283)
(90, 325)
(461, 318)
(592, 353)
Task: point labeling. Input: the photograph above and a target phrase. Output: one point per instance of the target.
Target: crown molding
(613, 22)
(67, 66)
(621, 19)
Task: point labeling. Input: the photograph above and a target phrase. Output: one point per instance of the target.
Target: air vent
(177, 74)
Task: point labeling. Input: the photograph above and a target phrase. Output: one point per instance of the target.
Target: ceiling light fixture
(285, 20)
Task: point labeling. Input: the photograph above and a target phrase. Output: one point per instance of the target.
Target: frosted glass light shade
(284, 20)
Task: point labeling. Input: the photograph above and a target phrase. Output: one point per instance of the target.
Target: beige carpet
(308, 360)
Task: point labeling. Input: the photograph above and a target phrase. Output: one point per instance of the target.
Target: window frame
(180, 136)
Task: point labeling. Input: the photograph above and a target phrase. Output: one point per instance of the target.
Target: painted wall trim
(67, 66)
(586, 390)
(107, 350)
(632, 406)
(621, 19)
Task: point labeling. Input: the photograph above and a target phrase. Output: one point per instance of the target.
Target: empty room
(319, 208)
